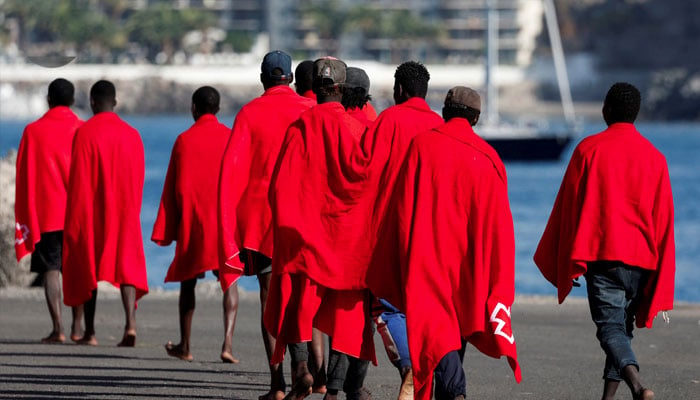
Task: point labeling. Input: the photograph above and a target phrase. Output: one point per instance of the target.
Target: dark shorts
(47, 253)
(255, 263)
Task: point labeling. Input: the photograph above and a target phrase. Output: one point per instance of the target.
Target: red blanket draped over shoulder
(245, 217)
(319, 175)
(448, 239)
(187, 212)
(43, 164)
(369, 111)
(102, 238)
(614, 203)
(386, 143)
(320, 172)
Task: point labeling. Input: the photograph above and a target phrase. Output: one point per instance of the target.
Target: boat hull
(530, 149)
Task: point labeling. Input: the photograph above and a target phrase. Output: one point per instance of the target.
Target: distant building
(461, 26)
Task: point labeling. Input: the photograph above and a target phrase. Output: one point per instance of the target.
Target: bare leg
(52, 292)
(317, 362)
(230, 313)
(129, 303)
(186, 305)
(303, 382)
(610, 389)
(631, 375)
(76, 330)
(406, 389)
(89, 338)
(277, 383)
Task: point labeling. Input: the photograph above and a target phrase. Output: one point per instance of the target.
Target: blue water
(532, 188)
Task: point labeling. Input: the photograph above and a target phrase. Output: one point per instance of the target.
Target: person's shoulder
(125, 125)
(389, 115)
(425, 139)
(34, 126)
(291, 99)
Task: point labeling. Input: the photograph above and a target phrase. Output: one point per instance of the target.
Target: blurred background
(158, 52)
(650, 42)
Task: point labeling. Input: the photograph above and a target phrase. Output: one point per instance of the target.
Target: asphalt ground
(558, 353)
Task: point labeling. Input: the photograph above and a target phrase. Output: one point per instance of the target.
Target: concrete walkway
(558, 352)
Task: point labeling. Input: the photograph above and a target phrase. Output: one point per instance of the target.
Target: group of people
(352, 221)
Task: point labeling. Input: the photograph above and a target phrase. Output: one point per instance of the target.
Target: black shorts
(261, 264)
(47, 253)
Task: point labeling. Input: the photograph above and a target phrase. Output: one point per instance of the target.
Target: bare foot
(76, 334)
(301, 388)
(177, 352)
(321, 389)
(129, 339)
(360, 394)
(645, 394)
(54, 338)
(87, 340)
(228, 358)
(272, 395)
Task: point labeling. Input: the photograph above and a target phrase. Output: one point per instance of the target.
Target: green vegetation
(102, 30)
(405, 29)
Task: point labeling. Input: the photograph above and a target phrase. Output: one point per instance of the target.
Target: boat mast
(550, 17)
(491, 62)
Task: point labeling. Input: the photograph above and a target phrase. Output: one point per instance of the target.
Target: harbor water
(532, 189)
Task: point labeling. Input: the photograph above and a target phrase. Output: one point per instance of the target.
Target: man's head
(276, 69)
(329, 77)
(462, 102)
(205, 100)
(103, 96)
(61, 93)
(304, 75)
(356, 88)
(621, 103)
(410, 80)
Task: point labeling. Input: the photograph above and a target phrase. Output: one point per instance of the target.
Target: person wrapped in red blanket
(102, 230)
(188, 215)
(448, 237)
(612, 222)
(315, 281)
(43, 164)
(385, 144)
(245, 217)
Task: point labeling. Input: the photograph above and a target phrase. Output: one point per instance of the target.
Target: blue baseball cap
(276, 60)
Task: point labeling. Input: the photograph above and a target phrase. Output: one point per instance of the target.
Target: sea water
(532, 189)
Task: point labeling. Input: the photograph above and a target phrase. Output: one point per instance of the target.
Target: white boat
(530, 140)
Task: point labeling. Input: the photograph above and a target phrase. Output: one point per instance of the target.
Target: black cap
(356, 78)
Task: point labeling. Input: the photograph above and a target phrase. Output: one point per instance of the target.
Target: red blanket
(369, 111)
(296, 304)
(360, 115)
(245, 217)
(320, 171)
(386, 142)
(43, 163)
(102, 234)
(187, 212)
(448, 240)
(614, 203)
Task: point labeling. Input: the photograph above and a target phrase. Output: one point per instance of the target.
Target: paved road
(558, 352)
